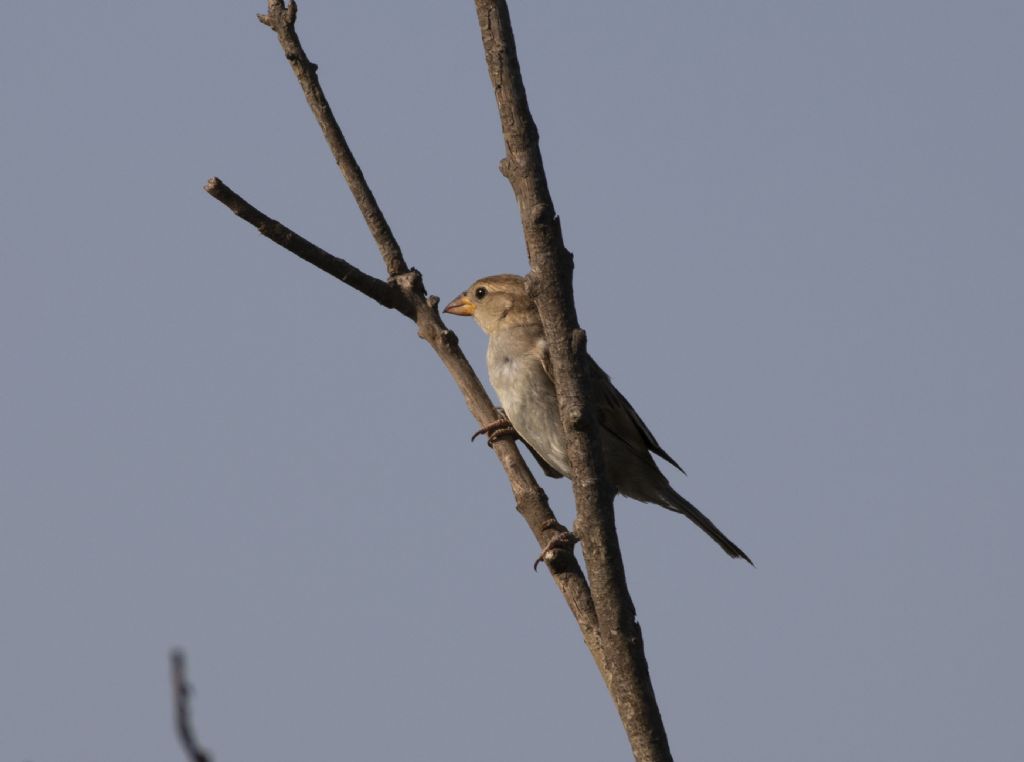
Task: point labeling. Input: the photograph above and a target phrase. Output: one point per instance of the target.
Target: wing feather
(620, 420)
(615, 415)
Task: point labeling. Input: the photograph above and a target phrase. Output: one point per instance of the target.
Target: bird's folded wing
(619, 419)
(615, 415)
(546, 467)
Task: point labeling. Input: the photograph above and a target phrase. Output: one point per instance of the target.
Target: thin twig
(182, 710)
(282, 20)
(550, 283)
(381, 292)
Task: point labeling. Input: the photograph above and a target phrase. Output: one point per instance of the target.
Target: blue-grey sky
(799, 234)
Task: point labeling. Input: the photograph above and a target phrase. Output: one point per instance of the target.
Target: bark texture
(550, 284)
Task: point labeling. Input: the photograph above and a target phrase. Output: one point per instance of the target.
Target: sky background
(799, 240)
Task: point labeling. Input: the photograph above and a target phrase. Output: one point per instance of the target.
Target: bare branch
(404, 292)
(282, 20)
(550, 283)
(381, 292)
(182, 710)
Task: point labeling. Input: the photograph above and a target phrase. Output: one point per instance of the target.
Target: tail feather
(676, 502)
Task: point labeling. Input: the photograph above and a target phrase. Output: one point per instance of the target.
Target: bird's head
(495, 302)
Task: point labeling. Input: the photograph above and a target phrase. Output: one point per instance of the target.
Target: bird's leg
(496, 430)
(562, 541)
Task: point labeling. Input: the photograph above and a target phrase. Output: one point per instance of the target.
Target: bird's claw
(496, 430)
(561, 541)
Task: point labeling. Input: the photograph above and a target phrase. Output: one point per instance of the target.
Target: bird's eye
(481, 292)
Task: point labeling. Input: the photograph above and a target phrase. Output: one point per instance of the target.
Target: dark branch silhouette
(183, 710)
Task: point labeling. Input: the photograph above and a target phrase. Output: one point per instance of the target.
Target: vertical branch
(550, 284)
(182, 710)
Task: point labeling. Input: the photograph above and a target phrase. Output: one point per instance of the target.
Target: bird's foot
(561, 541)
(495, 430)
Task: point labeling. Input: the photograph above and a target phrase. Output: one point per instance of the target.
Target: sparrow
(520, 372)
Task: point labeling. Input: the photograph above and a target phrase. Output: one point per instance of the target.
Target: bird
(519, 369)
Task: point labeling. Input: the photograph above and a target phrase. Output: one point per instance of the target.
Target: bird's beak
(460, 305)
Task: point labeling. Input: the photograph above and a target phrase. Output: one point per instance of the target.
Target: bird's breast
(528, 398)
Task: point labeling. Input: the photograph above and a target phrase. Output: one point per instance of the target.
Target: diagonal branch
(404, 292)
(282, 20)
(550, 283)
(383, 293)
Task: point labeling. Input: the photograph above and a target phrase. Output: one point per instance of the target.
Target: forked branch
(404, 292)
(603, 609)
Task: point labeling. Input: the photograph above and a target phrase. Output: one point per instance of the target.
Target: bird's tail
(676, 502)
